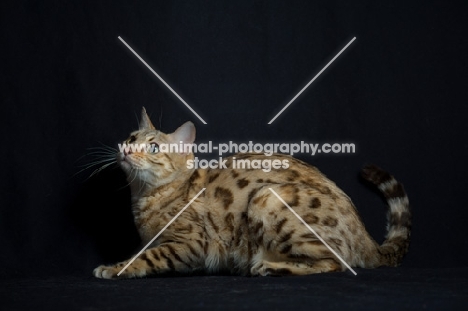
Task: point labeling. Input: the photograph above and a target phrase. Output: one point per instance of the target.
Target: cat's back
(244, 175)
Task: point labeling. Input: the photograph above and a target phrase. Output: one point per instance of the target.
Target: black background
(68, 84)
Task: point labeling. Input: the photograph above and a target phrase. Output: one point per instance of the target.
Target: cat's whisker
(142, 184)
(109, 152)
(100, 169)
(136, 117)
(97, 154)
(132, 171)
(131, 177)
(102, 155)
(100, 151)
(134, 177)
(97, 162)
(105, 146)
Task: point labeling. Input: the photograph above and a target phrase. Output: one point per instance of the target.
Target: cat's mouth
(124, 161)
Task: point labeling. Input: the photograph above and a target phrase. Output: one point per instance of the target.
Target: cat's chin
(125, 166)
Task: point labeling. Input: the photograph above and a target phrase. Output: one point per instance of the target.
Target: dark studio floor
(381, 289)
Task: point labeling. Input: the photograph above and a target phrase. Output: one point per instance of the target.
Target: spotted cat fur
(237, 224)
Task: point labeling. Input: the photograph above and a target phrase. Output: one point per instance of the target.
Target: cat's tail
(397, 240)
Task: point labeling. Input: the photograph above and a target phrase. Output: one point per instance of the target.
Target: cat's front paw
(105, 272)
(257, 269)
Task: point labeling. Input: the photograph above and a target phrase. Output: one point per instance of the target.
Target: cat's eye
(154, 148)
(132, 139)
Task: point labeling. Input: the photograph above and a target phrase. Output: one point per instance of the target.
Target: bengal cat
(238, 225)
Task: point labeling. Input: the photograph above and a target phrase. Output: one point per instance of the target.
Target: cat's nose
(127, 152)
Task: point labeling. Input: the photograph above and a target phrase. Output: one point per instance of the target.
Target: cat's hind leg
(271, 268)
(169, 257)
(284, 245)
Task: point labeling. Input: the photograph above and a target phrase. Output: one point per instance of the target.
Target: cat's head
(141, 158)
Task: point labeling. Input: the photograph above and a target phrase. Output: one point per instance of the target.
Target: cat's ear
(185, 134)
(145, 122)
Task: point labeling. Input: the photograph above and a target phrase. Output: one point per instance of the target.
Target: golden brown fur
(238, 225)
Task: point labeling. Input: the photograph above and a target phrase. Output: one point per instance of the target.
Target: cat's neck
(161, 192)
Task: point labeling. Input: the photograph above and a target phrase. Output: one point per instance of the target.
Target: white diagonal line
(313, 79)
(313, 231)
(162, 80)
(162, 230)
